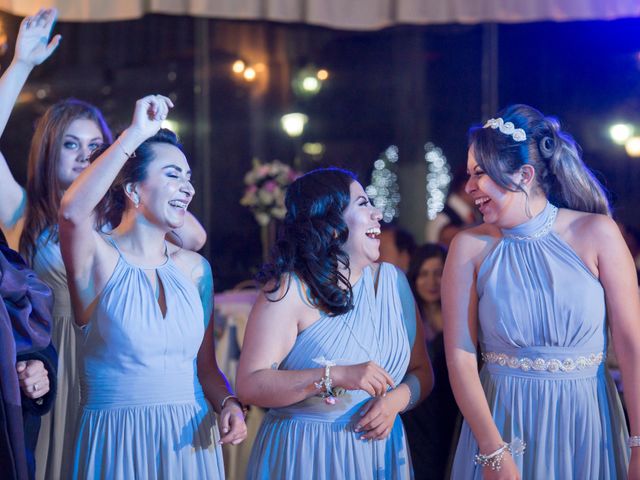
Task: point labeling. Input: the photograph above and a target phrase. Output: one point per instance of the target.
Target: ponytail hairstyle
(44, 190)
(310, 240)
(555, 156)
(113, 205)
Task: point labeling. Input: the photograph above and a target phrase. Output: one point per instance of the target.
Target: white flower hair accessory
(507, 128)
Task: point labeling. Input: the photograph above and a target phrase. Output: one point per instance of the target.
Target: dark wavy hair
(44, 191)
(553, 153)
(310, 240)
(420, 254)
(113, 205)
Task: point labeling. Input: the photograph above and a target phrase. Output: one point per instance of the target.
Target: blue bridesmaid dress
(543, 334)
(314, 440)
(144, 412)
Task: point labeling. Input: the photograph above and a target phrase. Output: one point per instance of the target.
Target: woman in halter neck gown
(64, 137)
(326, 302)
(536, 287)
(148, 373)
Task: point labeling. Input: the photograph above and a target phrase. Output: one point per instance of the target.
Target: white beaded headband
(507, 128)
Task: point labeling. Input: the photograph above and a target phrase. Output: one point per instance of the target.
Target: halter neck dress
(314, 440)
(542, 334)
(144, 412)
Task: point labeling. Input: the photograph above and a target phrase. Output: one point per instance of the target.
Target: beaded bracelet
(633, 441)
(325, 383)
(493, 460)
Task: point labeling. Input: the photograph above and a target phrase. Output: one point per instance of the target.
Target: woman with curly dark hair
(330, 344)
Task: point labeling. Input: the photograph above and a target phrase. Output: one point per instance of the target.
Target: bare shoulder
(288, 303)
(291, 292)
(474, 244)
(586, 228)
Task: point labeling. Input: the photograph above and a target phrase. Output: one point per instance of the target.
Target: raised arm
(460, 315)
(78, 237)
(271, 332)
(191, 235)
(32, 48)
(618, 277)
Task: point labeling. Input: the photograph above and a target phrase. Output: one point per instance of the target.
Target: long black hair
(310, 240)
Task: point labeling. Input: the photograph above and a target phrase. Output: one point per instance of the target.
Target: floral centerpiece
(266, 184)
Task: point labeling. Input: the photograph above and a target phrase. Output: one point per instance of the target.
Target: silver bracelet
(633, 441)
(129, 155)
(412, 382)
(494, 459)
(244, 409)
(325, 384)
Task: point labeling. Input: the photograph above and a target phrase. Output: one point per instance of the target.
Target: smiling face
(428, 280)
(81, 137)
(497, 205)
(363, 222)
(166, 192)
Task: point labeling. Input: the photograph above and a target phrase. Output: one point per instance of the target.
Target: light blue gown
(542, 334)
(54, 450)
(314, 440)
(144, 412)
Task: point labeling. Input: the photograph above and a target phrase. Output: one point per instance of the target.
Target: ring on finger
(35, 387)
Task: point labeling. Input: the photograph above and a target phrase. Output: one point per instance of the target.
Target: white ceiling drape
(341, 14)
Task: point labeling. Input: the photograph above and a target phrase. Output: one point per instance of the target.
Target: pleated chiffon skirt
(176, 441)
(299, 448)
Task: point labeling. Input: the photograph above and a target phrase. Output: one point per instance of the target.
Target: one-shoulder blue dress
(314, 440)
(542, 334)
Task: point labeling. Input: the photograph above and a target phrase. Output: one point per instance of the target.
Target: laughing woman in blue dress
(535, 287)
(330, 347)
(148, 375)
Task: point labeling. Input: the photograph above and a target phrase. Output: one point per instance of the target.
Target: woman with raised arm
(147, 363)
(330, 347)
(535, 287)
(64, 138)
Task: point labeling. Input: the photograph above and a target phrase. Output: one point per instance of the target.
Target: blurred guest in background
(396, 246)
(631, 236)
(431, 425)
(458, 213)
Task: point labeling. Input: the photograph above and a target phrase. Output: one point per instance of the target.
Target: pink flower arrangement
(266, 184)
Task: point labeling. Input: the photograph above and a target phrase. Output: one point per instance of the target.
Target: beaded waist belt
(552, 365)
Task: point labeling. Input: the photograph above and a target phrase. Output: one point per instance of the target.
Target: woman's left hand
(233, 430)
(33, 378)
(378, 416)
(32, 45)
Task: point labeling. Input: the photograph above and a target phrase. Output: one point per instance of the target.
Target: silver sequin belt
(539, 364)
